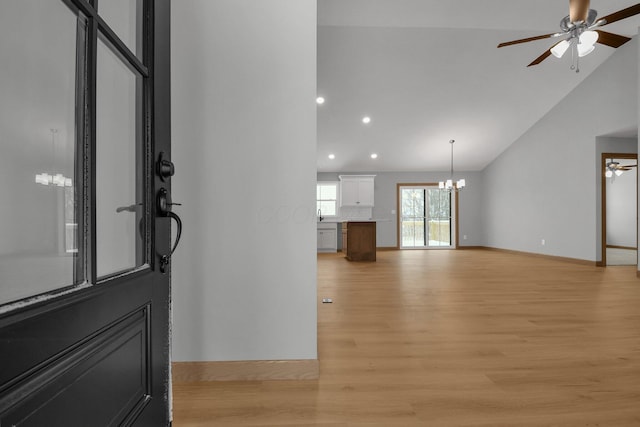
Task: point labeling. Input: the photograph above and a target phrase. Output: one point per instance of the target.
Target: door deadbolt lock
(164, 168)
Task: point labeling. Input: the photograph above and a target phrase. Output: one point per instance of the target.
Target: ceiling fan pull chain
(575, 58)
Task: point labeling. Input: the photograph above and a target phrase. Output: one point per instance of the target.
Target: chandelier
(449, 185)
(55, 179)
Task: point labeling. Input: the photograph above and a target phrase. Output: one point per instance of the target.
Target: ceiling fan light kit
(615, 168)
(580, 33)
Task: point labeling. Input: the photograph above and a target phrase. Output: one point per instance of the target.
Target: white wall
(385, 197)
(244, 145)
(543, 186)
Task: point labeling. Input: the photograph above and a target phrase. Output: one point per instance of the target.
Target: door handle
(163, 202)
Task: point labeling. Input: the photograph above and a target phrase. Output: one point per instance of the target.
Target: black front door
(85, 217)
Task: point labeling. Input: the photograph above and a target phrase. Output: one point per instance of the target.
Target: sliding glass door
(426, 217)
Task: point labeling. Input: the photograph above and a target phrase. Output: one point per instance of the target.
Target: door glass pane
(38, 246)
(413, 221)
(439, 217)
(124, 17)
(119, 195)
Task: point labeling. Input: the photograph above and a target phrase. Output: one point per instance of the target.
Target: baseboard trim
(622, 247)
(249, 370)
(551, 257)
(386, 248)
(471, 247)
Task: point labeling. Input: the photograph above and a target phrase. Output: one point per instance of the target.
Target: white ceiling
(428, 71)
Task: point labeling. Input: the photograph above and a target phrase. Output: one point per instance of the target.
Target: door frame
(603, 190)
(455, 242)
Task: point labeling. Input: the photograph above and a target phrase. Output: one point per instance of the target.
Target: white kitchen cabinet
(356, 190)
(327, 237)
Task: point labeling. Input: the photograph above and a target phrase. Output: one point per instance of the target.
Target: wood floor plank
(452, 338)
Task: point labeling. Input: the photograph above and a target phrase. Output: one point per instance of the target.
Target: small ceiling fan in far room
(614, 168)
(579, 32)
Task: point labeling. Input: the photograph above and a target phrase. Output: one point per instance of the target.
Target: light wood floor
(453, 338)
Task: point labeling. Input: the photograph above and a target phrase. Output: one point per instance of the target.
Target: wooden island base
(359, 240)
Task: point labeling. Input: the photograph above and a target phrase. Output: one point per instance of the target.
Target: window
(327, 198)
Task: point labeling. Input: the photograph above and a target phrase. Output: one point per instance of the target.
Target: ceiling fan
(616, 168)
(579, 32)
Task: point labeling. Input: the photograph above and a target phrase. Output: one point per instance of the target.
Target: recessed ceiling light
(374, 156)
(366, 120)
(332, 156)
(320, 100)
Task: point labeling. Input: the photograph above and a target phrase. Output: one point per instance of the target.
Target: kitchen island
(359, 240)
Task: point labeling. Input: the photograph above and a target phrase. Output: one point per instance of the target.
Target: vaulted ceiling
(428, 71)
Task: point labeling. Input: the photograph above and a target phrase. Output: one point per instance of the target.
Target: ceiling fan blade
(545, 55)
(622, 14)
(578, 10)
(530, 39)
(610, 39)
(539, 59)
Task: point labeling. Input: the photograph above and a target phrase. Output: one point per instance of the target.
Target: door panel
(115, 360)
(95, 353)
(412, 214)
(439, 214)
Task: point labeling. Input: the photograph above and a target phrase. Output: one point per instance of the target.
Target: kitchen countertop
(341, 220)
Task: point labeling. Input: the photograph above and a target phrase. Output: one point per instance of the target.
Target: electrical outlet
(542, 242)
(464, 237)
(393, 211)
